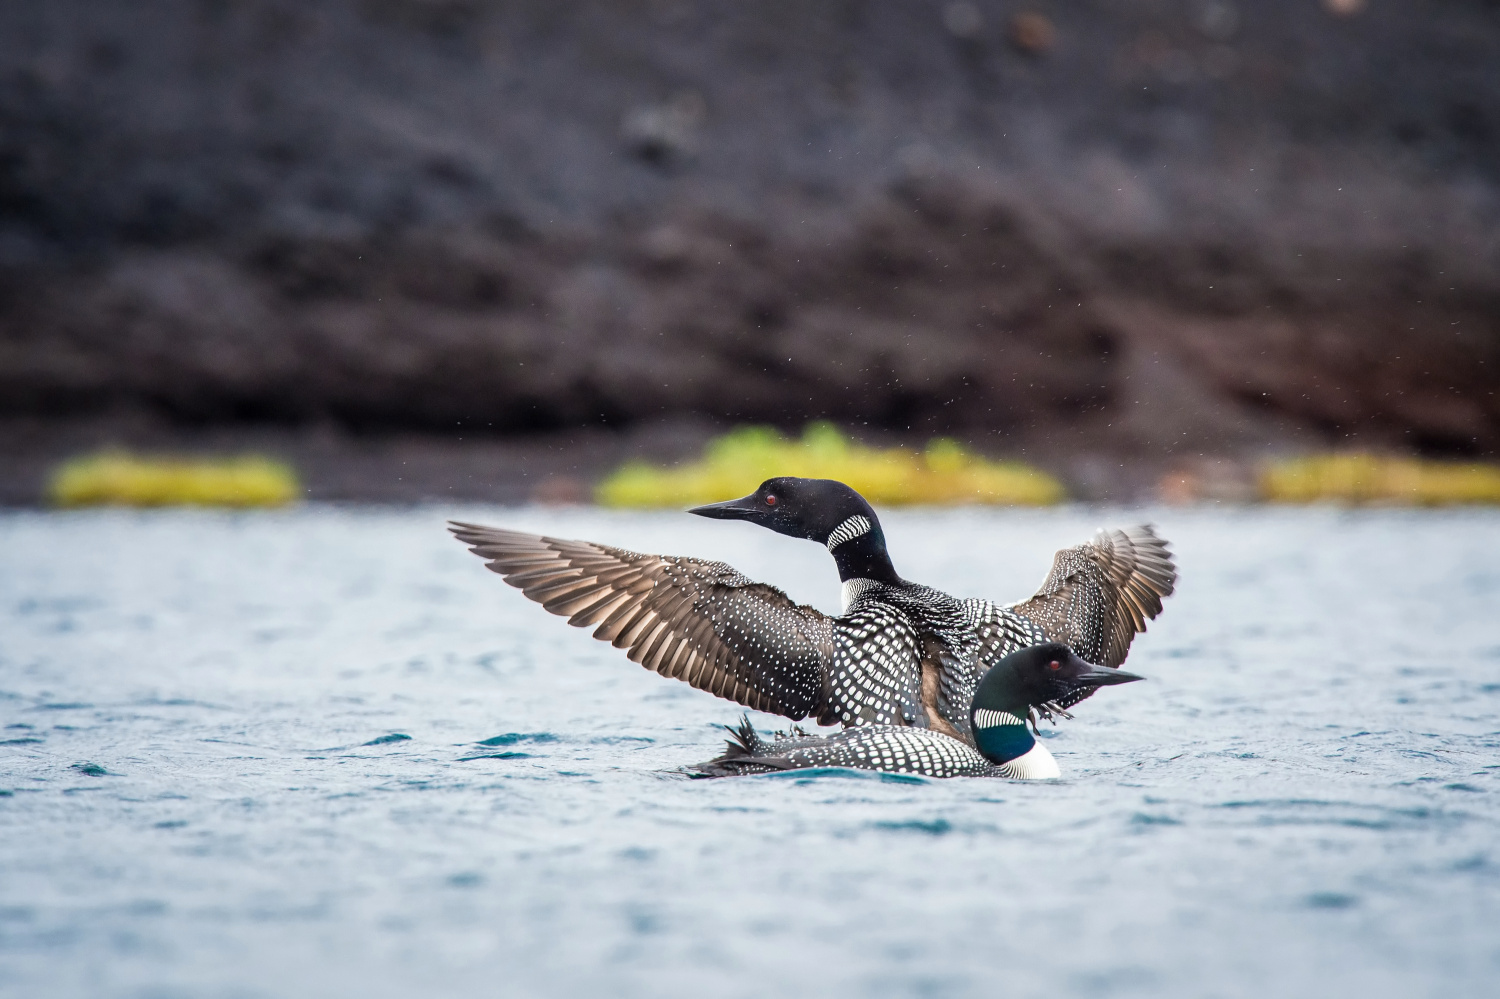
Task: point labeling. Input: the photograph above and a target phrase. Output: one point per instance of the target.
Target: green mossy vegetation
(1373, 479)
(945, 473)
(119, 479)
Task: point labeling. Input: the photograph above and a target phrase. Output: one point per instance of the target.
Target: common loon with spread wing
(1003, 745)
(899, 655)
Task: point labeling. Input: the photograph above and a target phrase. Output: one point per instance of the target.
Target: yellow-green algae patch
(734, 464)
(120, 479)
(1368, 478)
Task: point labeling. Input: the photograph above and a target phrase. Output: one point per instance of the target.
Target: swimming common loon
(1004, 747)
(900, 654)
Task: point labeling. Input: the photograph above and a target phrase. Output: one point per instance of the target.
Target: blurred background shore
(488, 251)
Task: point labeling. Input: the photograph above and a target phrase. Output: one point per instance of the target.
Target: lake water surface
(324, 753)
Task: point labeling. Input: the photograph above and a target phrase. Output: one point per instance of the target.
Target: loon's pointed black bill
(1104, 677)
(738, 509)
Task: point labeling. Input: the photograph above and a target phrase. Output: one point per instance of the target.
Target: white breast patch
(1034, 764)
(852, 589)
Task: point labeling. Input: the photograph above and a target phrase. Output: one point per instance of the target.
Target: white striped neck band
(853, 527)
(990, 718)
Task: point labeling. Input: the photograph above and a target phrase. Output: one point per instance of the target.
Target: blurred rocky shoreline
(1110, 237)
(557, 467)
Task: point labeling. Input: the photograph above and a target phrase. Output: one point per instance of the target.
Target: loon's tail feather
(743, 740)
(744, 753)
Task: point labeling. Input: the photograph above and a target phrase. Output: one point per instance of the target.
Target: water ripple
(323, 752)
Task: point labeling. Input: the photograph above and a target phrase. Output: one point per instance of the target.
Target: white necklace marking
(990, 718)
(850, 529)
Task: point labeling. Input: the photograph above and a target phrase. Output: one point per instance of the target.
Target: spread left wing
(702, 622)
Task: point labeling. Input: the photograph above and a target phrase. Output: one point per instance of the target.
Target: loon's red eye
(1054, 664)
(770, 501)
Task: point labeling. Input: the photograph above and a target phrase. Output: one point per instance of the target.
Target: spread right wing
(702, 622)
(1099, 595)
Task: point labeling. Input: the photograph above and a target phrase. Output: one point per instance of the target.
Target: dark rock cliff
(1150, 223)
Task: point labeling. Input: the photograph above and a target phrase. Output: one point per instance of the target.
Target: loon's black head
(1039, 674)
(1016, 684)
(801, 508)
(820, 510)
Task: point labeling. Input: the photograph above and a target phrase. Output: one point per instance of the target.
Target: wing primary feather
(697, 621)
(586, 617)
(640, 650)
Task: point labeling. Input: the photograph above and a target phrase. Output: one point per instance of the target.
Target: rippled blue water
(325, 753)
